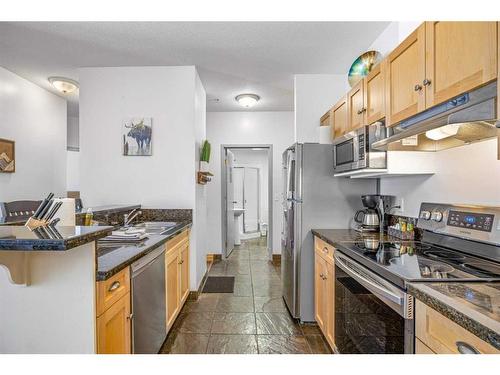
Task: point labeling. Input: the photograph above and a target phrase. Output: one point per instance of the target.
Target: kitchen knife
(53, 211)
(45, 210)
(40, 208)
(55, 221)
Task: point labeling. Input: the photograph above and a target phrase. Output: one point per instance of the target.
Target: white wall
(257, 159)
(174, 98)
(392, 35)
(36, 120)
(198, 267)
(72, 170)
(314, 94)
(274, 128)
(467, 174)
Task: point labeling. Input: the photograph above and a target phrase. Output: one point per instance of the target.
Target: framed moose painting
(137, 136)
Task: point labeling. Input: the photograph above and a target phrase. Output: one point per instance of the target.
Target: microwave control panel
(361, 146)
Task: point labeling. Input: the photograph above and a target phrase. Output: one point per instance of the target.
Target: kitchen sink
(156, 227)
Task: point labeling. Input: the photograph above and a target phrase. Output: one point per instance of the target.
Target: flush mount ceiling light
(64, 85)
(247, 100)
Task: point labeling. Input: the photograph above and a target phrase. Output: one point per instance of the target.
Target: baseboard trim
(213, 258)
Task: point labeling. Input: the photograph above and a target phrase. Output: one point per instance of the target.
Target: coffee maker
(372, 218)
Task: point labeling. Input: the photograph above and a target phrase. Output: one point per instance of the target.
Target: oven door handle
(375, 288)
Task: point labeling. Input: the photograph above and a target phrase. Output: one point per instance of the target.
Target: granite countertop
(336, 236)
(111, 260)
(474, 306)
(59, 238)
(110, 208)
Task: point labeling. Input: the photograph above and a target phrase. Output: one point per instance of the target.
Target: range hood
(468, 118)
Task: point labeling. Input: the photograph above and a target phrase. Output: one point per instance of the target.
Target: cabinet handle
(321, 275)
(427, 82)
(361, 111)
(465, 348)
(181, 262)
(130, 317)
(325, 250)
(114, 286)
(417, 87)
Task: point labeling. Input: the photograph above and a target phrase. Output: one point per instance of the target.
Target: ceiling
(231, 57)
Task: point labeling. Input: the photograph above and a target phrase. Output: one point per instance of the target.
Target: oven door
(371, 314)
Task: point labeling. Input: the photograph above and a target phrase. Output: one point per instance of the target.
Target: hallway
(251, 320)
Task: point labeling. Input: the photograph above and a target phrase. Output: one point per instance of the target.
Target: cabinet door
(113, 328)
(330, 303)
(172, 280)
(319, 291)
(405, 74)
(374, 91)
(356, 106)
(460, 56)
(339, 118)
(184, 272)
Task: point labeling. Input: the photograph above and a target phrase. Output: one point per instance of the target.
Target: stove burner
(443, 254)
(484, 268)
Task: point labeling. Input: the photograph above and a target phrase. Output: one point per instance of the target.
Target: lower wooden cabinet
(177, 275)
(435, 333)
(113, 314)
(324, 289)
(113, 327)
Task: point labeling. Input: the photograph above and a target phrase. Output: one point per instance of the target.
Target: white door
(229, 202)
(251, 196)
(238, 176)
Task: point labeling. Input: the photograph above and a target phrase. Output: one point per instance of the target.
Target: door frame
(223, 151)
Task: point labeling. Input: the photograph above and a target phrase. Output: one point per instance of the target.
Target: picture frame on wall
(137, 136)
(7, 156)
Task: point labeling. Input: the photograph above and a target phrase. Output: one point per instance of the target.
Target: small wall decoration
(7, 156)
(137, 136)
(362, 66)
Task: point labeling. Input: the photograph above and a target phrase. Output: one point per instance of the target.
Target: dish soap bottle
(88, 217)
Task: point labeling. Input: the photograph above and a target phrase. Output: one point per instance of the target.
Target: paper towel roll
(66, 212)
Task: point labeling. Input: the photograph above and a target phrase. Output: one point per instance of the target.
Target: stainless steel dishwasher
(148, 303)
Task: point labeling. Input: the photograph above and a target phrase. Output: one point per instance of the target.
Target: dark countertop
(336, 236)
(112, 208)
(112, 260)
(60, 238)
(474, 306)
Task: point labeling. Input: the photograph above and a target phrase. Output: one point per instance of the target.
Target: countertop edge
(434, 300)
(104, 275)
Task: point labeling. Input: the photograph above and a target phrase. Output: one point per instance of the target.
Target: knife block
(33, 223)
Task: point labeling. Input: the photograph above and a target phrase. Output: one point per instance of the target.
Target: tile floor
(251, 320)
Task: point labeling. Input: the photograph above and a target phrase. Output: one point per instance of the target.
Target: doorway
(246, 192)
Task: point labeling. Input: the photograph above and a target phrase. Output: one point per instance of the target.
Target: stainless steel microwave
(353, 150)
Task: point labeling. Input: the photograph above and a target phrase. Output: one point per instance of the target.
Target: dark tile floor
(251, 320)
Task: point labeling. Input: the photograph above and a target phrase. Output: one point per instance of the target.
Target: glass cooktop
(414, 261)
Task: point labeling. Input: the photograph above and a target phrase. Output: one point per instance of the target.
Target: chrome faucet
(127, 218)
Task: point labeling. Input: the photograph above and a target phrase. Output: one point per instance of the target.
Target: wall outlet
(399, 201)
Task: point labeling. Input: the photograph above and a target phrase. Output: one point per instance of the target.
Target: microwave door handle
(368, 283)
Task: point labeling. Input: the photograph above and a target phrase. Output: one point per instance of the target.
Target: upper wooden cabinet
(326, 119)
(339, 118)
(460, 56)
(356, 106)
(374, 90)
(405, 73)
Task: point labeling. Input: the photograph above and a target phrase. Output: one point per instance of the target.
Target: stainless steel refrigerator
(312, 198)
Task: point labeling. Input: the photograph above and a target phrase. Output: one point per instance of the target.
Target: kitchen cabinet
(177, 275)
(326, 119)
(374, 91)
(356, 106)
(443, 336)
(460, 56)
(339, 118)
(113, 314)
(324, 293)
(405, 94)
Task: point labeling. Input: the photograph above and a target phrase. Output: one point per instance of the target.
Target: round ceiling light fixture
(247, 100)
(64, 85)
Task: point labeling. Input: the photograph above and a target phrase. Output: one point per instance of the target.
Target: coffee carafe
(368, 219)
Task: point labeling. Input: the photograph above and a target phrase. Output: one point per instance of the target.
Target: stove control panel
(470, 220)
(479, 223)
